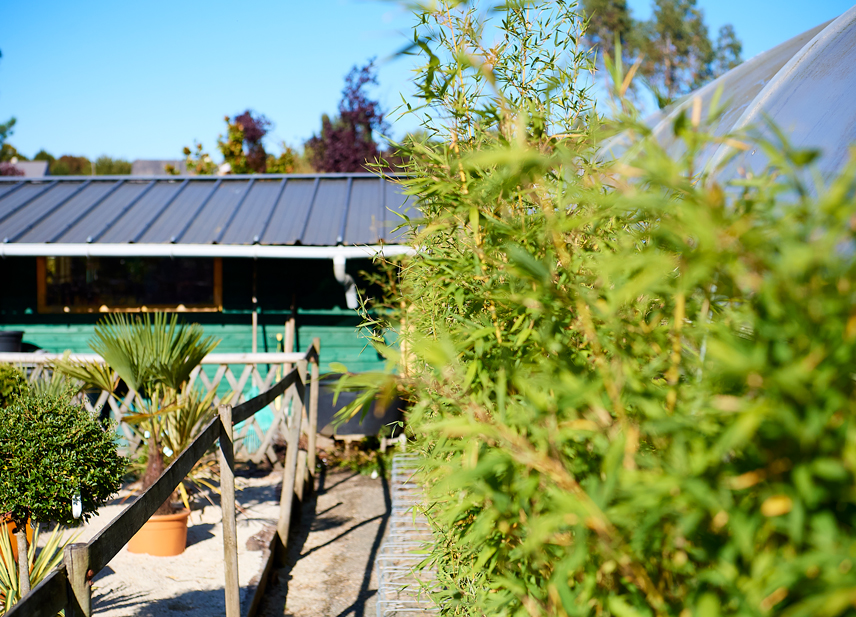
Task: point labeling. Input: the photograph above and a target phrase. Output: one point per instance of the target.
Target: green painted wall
(279, 284)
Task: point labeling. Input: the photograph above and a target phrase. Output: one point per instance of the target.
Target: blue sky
(144, 79)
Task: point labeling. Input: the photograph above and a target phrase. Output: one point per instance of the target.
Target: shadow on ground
(211, 601)
(347, 527)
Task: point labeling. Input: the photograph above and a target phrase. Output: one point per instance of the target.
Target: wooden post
(255, 321)
(76, 559)
(227, 507)
(288, 343)
(300, 475)
(313, 413)
(289, 473)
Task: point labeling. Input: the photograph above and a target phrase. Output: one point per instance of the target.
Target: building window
(105, 284)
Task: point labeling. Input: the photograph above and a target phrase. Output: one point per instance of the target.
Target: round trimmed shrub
(52, 450)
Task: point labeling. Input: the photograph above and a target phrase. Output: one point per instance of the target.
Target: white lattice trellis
(248, 376)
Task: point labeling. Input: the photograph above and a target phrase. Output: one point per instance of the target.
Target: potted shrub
(154, 355)
(59, 465)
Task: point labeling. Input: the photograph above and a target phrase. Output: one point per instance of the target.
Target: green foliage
(198, 162)
(12, 383)
(7, 150)
(44, 155)
(42, 562)
(290, 161)
(154, 356)
(632, 387)
(151, 351)
(232, 147)
(52, 450)
(68, 165)
(108, 166)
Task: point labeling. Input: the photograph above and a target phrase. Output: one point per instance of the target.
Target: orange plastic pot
(163, 535)
(11, 529)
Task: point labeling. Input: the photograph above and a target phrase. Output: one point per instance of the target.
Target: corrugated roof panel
(290, 213)
(365, 215)
(325, 218)
(278, 210)
(97, 218)
(51, 227)
(253, 213)
(216, 213)
(131, 223)
(7, 187)
(21, 196)
(178, 214)
(18, 222)
(396, 202)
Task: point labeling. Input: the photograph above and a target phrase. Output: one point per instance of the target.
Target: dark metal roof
(309, 210)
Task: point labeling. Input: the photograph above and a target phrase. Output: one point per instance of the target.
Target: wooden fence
(69, 586)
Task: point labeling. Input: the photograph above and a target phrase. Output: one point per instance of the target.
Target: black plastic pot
(10, 340)
(377, 417)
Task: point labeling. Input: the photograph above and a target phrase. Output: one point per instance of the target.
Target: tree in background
(676, 50)
(5, 131)
(44, 155)
(69, 165)
(198, 162)
(254, 129)
(290, 161)
(7, 151)
(728, 50)
(607, 18)
(108, 166)
(243, 150)
(346, 143)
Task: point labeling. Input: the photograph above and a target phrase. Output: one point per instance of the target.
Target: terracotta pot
(10, 529)
(163, 535)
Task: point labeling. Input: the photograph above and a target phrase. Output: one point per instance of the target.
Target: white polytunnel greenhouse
(805, 86)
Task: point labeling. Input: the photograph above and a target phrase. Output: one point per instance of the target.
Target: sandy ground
(330, 564)
(190, 584)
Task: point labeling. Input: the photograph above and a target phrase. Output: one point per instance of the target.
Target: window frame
(44, 308)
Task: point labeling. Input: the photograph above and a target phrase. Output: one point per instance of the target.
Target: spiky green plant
(154, 354)
(41, 563)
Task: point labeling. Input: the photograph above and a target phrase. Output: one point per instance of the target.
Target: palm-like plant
(154, 355)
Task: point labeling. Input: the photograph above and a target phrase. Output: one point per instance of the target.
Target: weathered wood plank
(76, 561)
(214, 358)
(227, 505)
(289, 474)
(111, 539)
(46, 599)
(313, 411)
(245, 410)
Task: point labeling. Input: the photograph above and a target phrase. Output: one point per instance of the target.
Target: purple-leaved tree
(346, 143)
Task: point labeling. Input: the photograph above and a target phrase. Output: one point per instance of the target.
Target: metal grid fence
(402, 586)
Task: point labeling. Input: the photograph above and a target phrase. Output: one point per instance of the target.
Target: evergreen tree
(676, 50)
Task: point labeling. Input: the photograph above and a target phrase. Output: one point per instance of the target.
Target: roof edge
(254, 251)
(139, 178)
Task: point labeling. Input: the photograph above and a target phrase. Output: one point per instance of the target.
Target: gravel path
(330, 567)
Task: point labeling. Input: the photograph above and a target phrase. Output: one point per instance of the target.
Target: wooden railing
(69, 586)
(40, 365)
